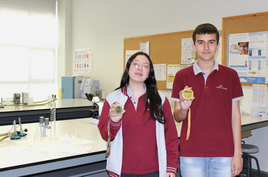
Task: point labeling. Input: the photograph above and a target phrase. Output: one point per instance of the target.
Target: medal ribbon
(108, 150)
(189, 125)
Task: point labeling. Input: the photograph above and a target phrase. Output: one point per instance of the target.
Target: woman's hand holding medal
(116, 112)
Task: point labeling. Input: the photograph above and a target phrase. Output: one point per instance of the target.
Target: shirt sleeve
(177, 87)
(103, 123)
(171, 137)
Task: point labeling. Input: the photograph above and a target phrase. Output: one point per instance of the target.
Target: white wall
(64, 63)
(103, 24)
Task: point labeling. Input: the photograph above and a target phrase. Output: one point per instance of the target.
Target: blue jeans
(206, 166)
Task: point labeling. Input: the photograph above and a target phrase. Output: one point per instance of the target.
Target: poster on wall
(83, 61)
(247, 54)
(129, 53)
(187, 52)
(171, 72)
(160, 72)
(144, 46)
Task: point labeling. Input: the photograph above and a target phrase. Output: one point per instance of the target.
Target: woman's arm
(103, 123)
(171, 137)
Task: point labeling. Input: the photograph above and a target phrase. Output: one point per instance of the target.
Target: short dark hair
(206, 28)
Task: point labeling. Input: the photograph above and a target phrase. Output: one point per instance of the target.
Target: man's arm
(179, 113)
(236, 126)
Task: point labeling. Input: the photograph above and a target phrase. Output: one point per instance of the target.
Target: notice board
(164, 48)
(249, 23)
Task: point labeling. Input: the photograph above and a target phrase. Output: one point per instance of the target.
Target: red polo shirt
(211, 111)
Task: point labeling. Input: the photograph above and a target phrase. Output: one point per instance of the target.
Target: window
(28, 44)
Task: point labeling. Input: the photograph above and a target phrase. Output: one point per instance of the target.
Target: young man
(210, 140)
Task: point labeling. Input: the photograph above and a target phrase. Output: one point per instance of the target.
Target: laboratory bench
(251, 123)
(65, 109)
(76, 150)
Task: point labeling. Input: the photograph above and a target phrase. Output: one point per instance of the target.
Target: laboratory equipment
(53, 117)
(77, 136)
(14, 136)
(5, 136)
(78, 80)
(71, 87)
(41, 128)
(78, 86)
(16, 97)
(67, 87)
(22, 132)
(89, 86)
(1, 106)
(89, 96)
(94, 111)
(24, 98)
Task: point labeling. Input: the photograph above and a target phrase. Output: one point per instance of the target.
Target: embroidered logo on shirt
(221, 87)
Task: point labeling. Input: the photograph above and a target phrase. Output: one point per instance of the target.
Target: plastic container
(254, 111)
(262, 112)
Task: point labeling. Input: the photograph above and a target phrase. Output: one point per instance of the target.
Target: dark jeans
(153, 174)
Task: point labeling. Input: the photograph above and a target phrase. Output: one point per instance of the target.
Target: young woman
(142, 141)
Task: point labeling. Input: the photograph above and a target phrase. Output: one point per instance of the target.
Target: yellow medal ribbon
(189, 125)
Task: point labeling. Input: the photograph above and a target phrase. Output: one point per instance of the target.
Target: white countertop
(33, 150)
(63, 103)
(246, 120)
(29, 150)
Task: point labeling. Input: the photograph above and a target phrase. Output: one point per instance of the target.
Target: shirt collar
(197, 69)
(131, 94)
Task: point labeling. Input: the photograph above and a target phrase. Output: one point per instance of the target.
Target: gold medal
(187, 93)
(118, 109)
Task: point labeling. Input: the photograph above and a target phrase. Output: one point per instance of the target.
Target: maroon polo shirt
(211, 111)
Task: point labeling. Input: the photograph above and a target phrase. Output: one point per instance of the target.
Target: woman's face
(139, 69)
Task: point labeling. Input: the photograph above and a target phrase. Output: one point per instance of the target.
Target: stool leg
(258, 166)
(248, 165)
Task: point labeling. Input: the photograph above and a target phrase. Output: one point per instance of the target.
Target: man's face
(206, 46)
